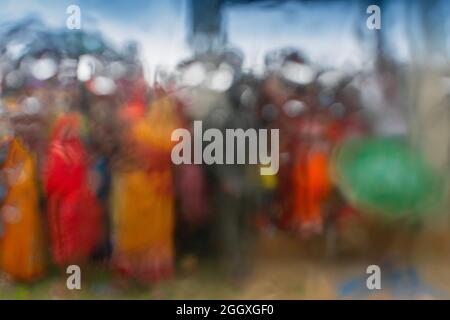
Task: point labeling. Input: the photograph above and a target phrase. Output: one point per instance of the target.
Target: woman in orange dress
(312, 186)
(21, 242)
(142, 196)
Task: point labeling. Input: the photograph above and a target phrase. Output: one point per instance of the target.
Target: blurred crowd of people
(85, 155)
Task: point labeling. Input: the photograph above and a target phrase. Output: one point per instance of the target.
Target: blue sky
(326, 34)
(159, 26)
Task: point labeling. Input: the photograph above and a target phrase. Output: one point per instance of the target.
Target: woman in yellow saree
(142, 198)
(21, 243)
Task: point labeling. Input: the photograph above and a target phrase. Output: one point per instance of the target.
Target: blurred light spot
(15, 50)
(31, 105)
(293, 108)
(103, 86)
(247, 98)
(221, 79)
(87, 67)
(194, 75)
(330, 79)
(298, 73)
(44, 68)
(14, 79)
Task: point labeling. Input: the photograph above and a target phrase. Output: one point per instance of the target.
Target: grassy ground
(284, 268)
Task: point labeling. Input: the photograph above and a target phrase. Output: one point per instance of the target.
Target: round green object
(385, 175)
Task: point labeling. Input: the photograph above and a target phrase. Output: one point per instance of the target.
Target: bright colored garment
(21, 245)
(74, 212)
(142, 199)
(312, 185)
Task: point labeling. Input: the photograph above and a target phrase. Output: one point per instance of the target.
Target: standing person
(21, 239)
(192, 191)
(289, 103)
(311, 183)
(142, 195)
(104, 144)
(236, 198)
(235, 187)
(74, 212)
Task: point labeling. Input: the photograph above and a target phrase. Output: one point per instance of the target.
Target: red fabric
(74, 212)
(311, 188)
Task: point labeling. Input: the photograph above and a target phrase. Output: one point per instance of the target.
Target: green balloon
(384, 175)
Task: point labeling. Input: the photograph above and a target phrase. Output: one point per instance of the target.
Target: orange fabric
(142, 200)
(21, 247)
(312, 185)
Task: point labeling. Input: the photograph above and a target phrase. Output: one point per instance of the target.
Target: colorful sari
(312, 186)
(74, 212)
(21, 244)
(142, 199)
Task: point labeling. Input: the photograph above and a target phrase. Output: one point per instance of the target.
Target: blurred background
(91, 91)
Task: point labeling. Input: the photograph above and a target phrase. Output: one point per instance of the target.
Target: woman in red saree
(74, 212)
